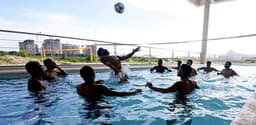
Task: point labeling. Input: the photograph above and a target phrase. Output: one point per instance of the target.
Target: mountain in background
(234, 56)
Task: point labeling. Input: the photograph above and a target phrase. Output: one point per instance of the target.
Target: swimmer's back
(89, 90)
(186, 87)
(50, 74)
(113, 62)
(35, 85)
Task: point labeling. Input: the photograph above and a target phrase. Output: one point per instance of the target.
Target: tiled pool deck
(247, 115)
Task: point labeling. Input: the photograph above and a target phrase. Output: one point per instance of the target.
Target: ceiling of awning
(201, 2)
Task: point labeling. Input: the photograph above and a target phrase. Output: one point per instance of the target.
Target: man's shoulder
(178, 82)
(105, 58)
(192, 81)
(212, 68)
(31, 81)
(155, 67)
(232, 70)
(80, 86)
(202, 68)
(35, 85)
(98, 86)
(164, 67)
(223, 70)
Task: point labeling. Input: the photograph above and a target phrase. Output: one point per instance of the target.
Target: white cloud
(54, 17)
(177, 7)
(4, 22)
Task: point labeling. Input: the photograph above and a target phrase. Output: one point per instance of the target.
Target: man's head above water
(102, 52)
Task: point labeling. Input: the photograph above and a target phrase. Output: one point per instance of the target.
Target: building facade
(87, 50)
(52, 46)
(29, 46)
(70, 49)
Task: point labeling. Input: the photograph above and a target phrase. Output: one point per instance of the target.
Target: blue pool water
(217, 102)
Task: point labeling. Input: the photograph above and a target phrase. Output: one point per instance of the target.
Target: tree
(23, 53)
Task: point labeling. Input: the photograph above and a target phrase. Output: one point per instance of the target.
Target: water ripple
(217, 102)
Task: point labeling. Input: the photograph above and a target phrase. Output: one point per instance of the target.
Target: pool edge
(18, 71)
(247, 116)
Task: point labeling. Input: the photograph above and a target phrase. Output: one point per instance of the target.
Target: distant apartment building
(52, 46)
(87, 50)
(29, 46)
(70, 49)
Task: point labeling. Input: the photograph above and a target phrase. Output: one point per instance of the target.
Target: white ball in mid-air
(119, 7)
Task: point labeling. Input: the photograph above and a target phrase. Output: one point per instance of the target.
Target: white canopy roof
(201, 2)
(206, 4)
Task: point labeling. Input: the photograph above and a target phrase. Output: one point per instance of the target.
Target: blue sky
(144, 21)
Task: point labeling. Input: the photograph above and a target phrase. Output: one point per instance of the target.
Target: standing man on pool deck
(92, 90)
(208, 67)
(182, 87)
(114, 62)
(160, 68)
(228, 72)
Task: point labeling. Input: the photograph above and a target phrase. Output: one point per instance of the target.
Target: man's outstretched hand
(136, 50)
(149, 84)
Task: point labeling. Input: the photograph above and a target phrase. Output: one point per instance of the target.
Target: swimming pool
(217, 102)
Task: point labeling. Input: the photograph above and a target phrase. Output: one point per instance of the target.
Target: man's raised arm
(130, 54)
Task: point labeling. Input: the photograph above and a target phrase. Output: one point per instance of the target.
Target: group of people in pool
(226, 72)
(91, 88)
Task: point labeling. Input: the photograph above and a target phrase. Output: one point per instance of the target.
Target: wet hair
(88, 74)
(190, 60)
(186, 68)
(34, 69)
(229, 63)
(160, 61)
(179, 62)
(100, 51)
(48, 62)
(208, 63)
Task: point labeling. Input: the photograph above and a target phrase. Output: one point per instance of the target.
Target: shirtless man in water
(50, 72)
(160, 68)
(92, 90)
(35, 83)
(228, 72)
(208, 67)
(114, 62)
(182, 87)
(193, 71)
